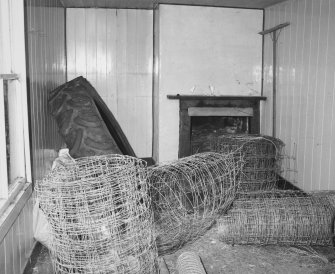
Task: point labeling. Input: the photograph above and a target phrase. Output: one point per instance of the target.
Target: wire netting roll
(189, 193)
(190, 263)
(278, 217)
(99, 211)
(326, 194)
(262, 156)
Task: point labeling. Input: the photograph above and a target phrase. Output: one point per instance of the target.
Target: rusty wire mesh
(99, 211)
(326, 194)
(278, 217)
(189, 193)
(262, 158)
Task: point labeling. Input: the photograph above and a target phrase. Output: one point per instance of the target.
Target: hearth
(204, 128)
(201, 117)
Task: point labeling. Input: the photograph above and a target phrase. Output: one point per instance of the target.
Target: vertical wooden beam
(3, 145)
(274, 82)
(274, 37)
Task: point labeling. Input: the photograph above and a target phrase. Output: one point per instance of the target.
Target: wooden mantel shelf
(209, 97)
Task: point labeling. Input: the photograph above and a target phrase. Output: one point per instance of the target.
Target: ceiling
(148, 4)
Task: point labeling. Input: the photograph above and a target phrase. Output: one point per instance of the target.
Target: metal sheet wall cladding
(85, 122)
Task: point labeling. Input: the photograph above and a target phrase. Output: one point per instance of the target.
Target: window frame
(13, 59)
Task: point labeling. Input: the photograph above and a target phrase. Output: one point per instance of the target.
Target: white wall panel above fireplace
(208, 50)
(202, 51)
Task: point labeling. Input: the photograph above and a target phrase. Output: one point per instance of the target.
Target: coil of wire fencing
(189, 193)
(278, 217)
(262, 155)
(99, 211)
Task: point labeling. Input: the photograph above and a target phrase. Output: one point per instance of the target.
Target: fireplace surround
(214, 106)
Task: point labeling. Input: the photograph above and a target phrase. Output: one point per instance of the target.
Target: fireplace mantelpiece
(188, 101)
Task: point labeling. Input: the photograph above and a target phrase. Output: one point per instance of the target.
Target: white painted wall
(113, 49)
(201, 47)
(305, 91)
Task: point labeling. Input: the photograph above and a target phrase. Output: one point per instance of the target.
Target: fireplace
(203, 128)
(201, 117)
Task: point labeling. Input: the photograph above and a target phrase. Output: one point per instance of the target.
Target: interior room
(172, 83)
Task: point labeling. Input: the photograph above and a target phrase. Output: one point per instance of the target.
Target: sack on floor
(41, 226)
(42, 229)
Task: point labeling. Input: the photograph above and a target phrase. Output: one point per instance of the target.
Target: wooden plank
(220, 111)
(71, 15)
(101, 52)
(144, 143)
(320, 83)
(298, 34)
(91, 41)
(9, 252)
(184, 133)
(111, 58)
(16, 247)
(328, 122)
(305, 74)
(16, 133)
(278, 27)
(80, 43)
(289, 100)
(14, 211)
(310, 135)
(30, 231)
(205, 97)
(282, 61)
(11, 76)
(5, 41)
(3, 256)
(3, 152)
(20, 235)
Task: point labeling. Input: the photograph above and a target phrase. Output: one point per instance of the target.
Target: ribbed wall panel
(46, 59)
(305, 89)
(113, 49)
(16, 247)
(46, 70)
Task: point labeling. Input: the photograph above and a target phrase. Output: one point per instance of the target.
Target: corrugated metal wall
(113, 49)
(46, 57)
(305, 91)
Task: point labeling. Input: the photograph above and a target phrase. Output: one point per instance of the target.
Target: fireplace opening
(203, 128)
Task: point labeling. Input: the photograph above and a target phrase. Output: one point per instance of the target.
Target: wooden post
(274, 37)
(274, 83)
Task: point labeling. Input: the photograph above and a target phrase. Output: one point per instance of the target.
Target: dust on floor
(219, 257)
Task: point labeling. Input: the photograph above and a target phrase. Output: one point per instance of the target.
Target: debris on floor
(218, 257)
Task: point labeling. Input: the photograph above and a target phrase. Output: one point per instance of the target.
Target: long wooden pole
(273, 32)
(274, 83)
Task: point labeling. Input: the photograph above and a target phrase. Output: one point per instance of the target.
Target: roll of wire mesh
(190, 263)
(99, 212)
(188, 194)
(283, 217)
(263, 157)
